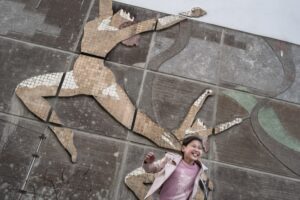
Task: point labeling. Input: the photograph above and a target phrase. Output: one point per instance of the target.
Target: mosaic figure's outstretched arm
(148, 25)
(199, 129)
(146, 127)
(190, 117)
(224, 126)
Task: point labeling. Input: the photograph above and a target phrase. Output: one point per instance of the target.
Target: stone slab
(276, 125)
(93, 176)
(240, 145)
(189, 49)
(8, 194)
(249, 63)
(21, 61)
(241, 184)
(52, 23)
(19, 139)
(292, 52)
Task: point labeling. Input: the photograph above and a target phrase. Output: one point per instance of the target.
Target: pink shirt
(180, 184)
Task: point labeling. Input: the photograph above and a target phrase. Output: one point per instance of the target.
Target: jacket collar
(201, 165)
(176, 158)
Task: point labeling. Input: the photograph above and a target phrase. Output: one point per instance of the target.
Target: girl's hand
(149, 158)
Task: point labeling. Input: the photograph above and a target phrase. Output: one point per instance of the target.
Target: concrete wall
(253, 77)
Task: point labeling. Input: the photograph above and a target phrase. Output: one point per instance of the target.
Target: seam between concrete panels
(8, 115)
(83, 23)
(30, 167)
(218, 72)
(208, 84)
(145, 70)
(121, 172)
(215, 109)
(217, 92)
(254, 171)
(38, 45)
(38, 4)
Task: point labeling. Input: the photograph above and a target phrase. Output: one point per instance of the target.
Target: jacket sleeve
(155, 166)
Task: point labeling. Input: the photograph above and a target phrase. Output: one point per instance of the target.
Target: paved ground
(253, 77)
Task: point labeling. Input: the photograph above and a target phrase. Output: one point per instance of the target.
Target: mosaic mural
(146, 75)
(91, 77)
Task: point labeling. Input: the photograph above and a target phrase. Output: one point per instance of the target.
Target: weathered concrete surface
(275, 124)
(291, 93)
(167, 100)
(258, 159)
(21, 61)
(237, 184)
(250, 62)
(242, 141)
(51, 23)
(19, 140)
(93, 177)
(189, 50)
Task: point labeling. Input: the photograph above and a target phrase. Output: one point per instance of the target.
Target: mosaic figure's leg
(144, 126)
(116, 102)
(95, 79)
(66, 138)
(32, 92)
(189, 119)
(139, 182)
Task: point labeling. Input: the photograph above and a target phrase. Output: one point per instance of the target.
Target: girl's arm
(153, 167)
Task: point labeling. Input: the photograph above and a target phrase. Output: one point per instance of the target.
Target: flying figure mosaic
(91, 77)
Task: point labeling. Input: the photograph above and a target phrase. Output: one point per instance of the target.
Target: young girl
(177, 176)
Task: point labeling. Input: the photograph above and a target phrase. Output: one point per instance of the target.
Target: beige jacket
(164, 168)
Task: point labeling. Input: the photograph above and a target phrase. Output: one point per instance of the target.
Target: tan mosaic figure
(91, 77)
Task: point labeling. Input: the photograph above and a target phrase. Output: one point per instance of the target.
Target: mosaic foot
(65, 136)
(139, 182)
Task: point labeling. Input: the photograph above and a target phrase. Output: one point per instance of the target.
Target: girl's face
(192, 151)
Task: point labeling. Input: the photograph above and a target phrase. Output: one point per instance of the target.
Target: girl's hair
(189, 139)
